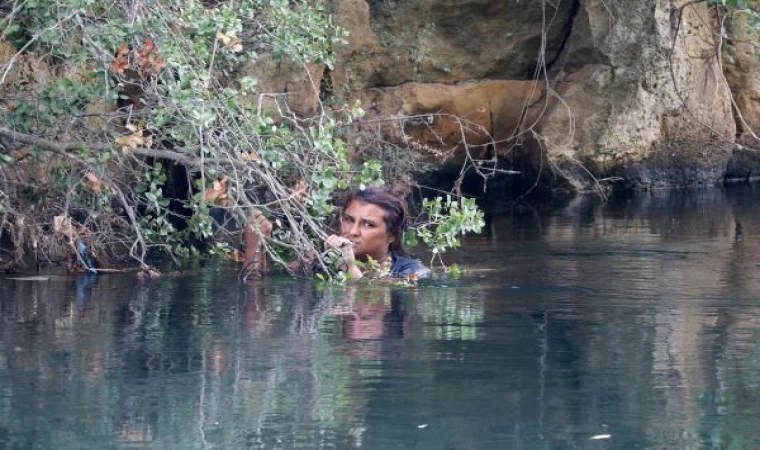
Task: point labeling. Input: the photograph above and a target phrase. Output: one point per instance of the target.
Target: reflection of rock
(136, 434)
(690, 281)
(677, 371)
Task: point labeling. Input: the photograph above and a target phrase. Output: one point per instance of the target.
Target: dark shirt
(403, 267)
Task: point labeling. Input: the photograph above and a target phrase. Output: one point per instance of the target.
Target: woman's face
(364, 225)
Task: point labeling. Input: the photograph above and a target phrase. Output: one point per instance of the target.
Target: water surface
(635, 322)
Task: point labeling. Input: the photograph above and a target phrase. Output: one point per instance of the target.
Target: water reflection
(671, 272)
(636, 319)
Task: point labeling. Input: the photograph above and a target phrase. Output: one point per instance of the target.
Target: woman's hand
(346, 248)
(342, 244)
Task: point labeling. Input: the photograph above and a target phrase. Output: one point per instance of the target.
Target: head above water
(394, 208)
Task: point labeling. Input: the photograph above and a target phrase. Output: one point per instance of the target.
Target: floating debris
(32, 278)
(599, 437)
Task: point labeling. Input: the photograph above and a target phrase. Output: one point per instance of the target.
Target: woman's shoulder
(404, 267)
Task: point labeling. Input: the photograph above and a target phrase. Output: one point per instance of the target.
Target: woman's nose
(354, 229)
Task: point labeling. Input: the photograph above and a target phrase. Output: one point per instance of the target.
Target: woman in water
(372, 225)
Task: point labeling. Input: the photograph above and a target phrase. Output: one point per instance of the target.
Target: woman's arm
(254, 258)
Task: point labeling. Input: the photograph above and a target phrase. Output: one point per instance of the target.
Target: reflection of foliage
(186, 364)
(454, 318)
(170, 369)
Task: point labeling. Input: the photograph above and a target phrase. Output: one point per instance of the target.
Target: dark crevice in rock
(326, 89)
(574, 10)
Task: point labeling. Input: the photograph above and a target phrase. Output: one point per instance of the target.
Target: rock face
(742, 68)
(396, 41)
(464, 117)
(459, 75)
(286, 83)
(589, 90)
(627, 91)
(648, 102)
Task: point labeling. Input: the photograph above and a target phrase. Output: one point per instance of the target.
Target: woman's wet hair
(395, 207)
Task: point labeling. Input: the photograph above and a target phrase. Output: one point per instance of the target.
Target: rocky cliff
(587, 93)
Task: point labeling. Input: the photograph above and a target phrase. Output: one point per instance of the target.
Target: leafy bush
(140, 94)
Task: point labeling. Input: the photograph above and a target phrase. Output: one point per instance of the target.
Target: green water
(633, 324)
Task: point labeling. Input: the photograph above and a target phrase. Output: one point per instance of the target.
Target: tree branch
(64, 148)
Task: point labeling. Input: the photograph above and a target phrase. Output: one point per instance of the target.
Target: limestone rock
(630, 109)
(635, 89)
(744, 164)
(742, 69)
(393, 42)
(456, 118)
(283, 83)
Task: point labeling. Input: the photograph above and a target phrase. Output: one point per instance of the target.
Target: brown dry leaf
(301, 191)
(149, 46)
(62, 225)
(125, 142)
(236, 256)
(237, 45)
(250, 156)
(94, 183)
(119, 65)
(229, 39)
(121, 60)
(153, 65)
(158, 64)
(134, 140)
(147, 58)
(142, 54)
(6, 51)
(225, 37)
(218, 193)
